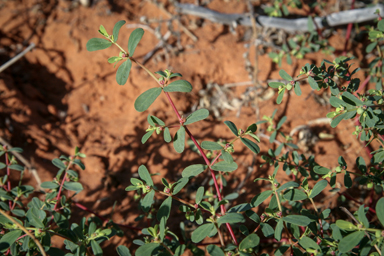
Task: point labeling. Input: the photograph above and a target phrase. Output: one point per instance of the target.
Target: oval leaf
(320, 186)
(179, 140)
(350, 241)
(285, 75)
(165, 209)
(211, 145)
(250, 241)
(257, 200)
(123, 251)
(224, 166)
(298, 220)
(144, 175)
(146, 99)
(380, 210)
(178, 86)
(295, 195)
(134, 40)
(202, 232)
(73, 186)
(196, 116)
(231, 218)
(122, 73)
(146, 249)
(147, 201)
(232, 127)
(95, 44)
(193, 170)
(251, 145)
(116, 29)
(214, 250)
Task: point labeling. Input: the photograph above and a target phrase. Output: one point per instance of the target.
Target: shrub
(292, 218)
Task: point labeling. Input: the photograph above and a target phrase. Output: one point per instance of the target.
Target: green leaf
(289, 184)
(232, 127)
(275, 84)
(320, 186)
(144, 175)
(175, 75)
(347, 180)
(350, 241)
(58, 163)
(95, 44)
(196, 116)
(267, 229)
(250, 241)
(179, 185)
(179, 140)
(313, 83)
(103, 31)
(49, 185)
(257, 200)
(16, 149)
(224, 166)
(9, 239)
(370, 47)
(193, 170)
(134, 40)
(337, 120)
(280, 97)
(285, 75)
(116, 29)
(167, 135)
(178, 86)
(211, 145)
(147, 201)
(351, 99)
(214, 250)
(362, 218)
(252, 128)
(165, 209)
(146, 136)
(35, 217)
(380, 210)
(279, 229)
(97, 251)
(321, 170)
(2, 165)
(336, 102)
(226, 156)
(380, 25)
(114, 59)
(281, 122)
(202, 232)
(16, 167)
(146, 99)
(345, 225)
(308, 243)
(73, 186)
(231, 218)
(298, 220)
(122, 73)
(297, 89)
(147, 249)
(295, 195)
(162, 73)
(199, 195)
(251, 145)
(123, 251)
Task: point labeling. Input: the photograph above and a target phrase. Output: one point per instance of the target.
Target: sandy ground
(60, 96)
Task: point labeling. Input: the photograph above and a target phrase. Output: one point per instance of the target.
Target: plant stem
(62, 184)
(320, 222)
(196, 144)
(220, 236)
(102, 218)
(167, 248)
(25, 231)
(8, 173)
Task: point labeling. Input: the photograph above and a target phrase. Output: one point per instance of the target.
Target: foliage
(290, 218)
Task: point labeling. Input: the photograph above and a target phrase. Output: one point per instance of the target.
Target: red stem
(8, 174)
(206, 161)
(353, 199)
(349, 29)
(102, 218)
(60, 189)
